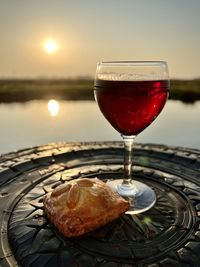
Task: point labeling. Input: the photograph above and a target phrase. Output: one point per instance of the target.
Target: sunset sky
(65, 38)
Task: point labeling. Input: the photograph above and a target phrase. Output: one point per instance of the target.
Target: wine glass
(131, 94)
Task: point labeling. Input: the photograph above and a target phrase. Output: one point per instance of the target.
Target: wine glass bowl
(131, 94)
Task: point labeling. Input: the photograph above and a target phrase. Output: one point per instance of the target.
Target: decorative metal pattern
(166, 235)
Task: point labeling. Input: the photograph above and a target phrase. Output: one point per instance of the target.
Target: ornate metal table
(166, 235)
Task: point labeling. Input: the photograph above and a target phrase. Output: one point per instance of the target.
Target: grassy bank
(24, 90)
(21, 90)
(185, 90)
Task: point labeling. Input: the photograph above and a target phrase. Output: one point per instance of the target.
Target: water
(35, 123)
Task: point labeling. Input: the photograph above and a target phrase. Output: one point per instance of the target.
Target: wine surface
(130, 106)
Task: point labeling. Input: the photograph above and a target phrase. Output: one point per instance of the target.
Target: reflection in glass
(53, 107)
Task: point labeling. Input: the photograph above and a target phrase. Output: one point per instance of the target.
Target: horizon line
(78, 77)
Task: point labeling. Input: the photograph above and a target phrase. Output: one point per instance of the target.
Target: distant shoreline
(22, 90)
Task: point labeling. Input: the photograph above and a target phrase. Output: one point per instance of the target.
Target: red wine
(130, 106)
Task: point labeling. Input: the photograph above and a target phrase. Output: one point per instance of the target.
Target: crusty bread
(83, 205)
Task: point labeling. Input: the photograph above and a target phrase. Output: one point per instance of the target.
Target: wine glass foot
(141, 197)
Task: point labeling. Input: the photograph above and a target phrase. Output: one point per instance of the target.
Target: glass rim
(139, 62)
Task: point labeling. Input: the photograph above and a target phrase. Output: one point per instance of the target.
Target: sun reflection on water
(53, 107)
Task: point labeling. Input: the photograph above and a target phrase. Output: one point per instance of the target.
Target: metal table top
(166, 235)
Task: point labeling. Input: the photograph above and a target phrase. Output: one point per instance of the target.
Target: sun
(50, 46)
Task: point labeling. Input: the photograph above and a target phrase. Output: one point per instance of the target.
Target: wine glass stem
(128, 149)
